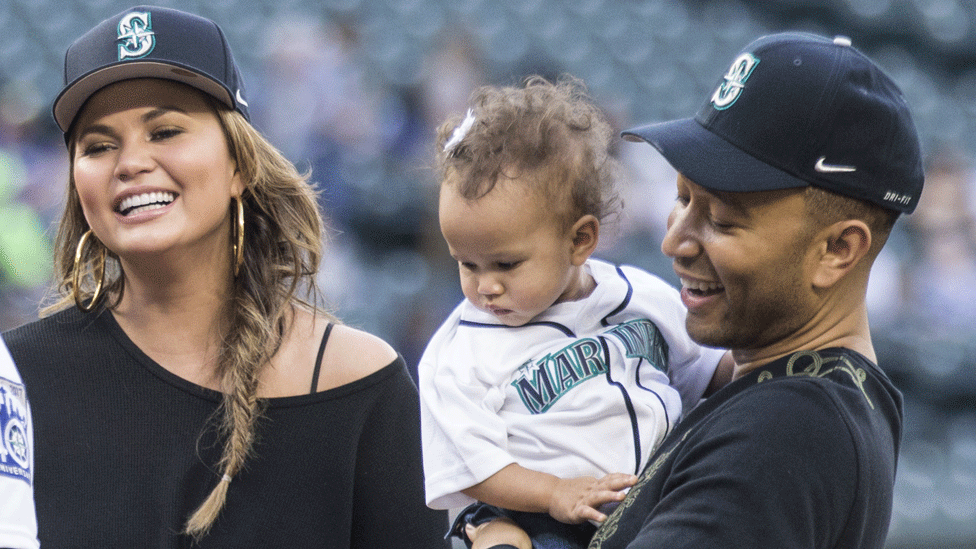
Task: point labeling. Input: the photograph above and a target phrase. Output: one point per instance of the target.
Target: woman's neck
(177, 317)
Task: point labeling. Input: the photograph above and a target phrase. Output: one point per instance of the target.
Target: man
(790, 178)
(18, 525)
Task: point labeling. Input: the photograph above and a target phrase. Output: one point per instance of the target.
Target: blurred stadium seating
(353, 89)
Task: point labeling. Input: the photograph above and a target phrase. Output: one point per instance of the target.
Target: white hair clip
(460, 131)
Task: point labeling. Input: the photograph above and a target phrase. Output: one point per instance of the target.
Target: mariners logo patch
(14, 450)
(136, 38)
(735, 80)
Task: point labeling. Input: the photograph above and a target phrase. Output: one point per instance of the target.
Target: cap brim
(709, 160)
(74, 96)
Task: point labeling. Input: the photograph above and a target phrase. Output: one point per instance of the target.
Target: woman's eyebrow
(96, 128)
(160, 111)
(148, 117)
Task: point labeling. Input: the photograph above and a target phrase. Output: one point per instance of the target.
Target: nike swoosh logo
(240, 99)
(831, 168)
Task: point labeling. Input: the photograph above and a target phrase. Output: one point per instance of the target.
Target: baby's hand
(576, 500)
(611, 506)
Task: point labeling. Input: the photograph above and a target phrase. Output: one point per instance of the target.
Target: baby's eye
(508, 265)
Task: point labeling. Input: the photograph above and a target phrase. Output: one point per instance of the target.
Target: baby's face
(514, 257)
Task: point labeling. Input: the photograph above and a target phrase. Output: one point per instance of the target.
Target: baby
(547, 388)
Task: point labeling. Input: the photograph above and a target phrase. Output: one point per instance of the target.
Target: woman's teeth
(144, 202)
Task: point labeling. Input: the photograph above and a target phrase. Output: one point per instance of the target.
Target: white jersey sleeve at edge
(464, 439)
(18, 522)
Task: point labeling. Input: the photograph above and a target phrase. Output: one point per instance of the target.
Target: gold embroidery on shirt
(818, 362)
(609, 526)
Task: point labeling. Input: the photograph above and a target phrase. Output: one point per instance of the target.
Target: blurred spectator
(648, 195)
(454, 71)
(941, 278)
(26, 199)
(929, 306)
(315, 103)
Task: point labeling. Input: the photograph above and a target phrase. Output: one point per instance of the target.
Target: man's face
(744, 264)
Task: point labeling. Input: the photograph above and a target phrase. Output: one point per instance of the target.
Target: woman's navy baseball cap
(796, 109)
(149, 42)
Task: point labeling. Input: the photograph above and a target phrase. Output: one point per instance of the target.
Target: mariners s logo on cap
(735, 79)
(136, 38)
(149, 42)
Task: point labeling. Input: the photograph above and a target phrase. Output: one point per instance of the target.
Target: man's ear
(586, 235)
(842, 246)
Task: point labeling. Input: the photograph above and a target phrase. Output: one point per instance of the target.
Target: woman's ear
(586, 235)
(842, 247)
(237, 184)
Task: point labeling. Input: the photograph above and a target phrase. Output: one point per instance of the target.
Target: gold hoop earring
(76, 275)
(239, 244)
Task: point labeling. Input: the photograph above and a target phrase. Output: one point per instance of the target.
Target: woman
(184, 384)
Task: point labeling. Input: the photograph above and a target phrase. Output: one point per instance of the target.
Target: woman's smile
(143, 202)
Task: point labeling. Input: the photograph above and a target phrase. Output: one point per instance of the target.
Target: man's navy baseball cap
(149, 42)
(796, 109)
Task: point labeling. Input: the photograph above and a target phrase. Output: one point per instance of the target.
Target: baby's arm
(571, 501)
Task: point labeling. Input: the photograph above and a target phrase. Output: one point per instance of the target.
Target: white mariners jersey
(18, 523)
(587, 388)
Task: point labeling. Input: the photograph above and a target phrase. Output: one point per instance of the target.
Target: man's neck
(850, 332)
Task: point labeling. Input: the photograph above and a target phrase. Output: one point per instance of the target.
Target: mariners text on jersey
(540, 383)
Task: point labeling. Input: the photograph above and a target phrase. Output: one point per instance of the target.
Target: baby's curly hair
(552, 132)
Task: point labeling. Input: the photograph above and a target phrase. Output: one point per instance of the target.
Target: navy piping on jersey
(667, 417)
(630, 405)
(626, 300)
(562, 328)
(605, 322)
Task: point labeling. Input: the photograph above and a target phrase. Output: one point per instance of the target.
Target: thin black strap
(318, 359)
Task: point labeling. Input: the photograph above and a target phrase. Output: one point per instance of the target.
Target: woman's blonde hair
(282, 248)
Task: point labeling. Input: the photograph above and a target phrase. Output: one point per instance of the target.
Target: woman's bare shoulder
(356, 349)
(350, 354)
